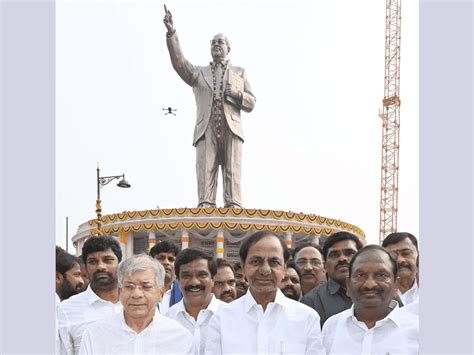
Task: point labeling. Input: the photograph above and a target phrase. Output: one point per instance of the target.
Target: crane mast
(390, 116)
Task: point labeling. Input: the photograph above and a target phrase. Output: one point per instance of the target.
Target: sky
(312, 143)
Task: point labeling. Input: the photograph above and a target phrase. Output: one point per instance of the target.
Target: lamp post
(101, 182)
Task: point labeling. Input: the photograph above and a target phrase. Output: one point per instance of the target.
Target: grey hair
(141, 262)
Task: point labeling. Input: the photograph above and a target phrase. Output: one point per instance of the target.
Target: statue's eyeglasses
(218, 41)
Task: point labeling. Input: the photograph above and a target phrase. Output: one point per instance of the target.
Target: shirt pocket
(295, 348)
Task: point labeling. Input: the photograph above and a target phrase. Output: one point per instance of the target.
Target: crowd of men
(342, 298)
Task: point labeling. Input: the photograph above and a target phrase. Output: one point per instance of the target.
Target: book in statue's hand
(237, 82)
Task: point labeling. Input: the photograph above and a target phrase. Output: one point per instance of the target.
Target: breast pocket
(292, 348)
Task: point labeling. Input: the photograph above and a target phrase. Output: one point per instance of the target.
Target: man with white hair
(264, 321)
(140, 329)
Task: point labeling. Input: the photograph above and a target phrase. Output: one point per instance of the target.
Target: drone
(170, 111)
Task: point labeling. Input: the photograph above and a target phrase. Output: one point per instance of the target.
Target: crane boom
(390, 116)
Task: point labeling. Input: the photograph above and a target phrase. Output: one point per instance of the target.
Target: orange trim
(123, 237)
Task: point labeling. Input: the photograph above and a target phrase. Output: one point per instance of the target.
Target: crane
(390, 115)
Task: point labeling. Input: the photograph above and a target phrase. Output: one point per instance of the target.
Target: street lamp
(101, 182)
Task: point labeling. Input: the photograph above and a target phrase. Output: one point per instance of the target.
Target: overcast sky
(312, 143)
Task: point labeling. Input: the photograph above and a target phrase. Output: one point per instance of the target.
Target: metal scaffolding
(390, 116)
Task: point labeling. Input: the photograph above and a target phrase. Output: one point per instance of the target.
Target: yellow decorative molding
(230, 219)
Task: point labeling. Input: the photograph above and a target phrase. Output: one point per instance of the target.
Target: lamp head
(123, 183)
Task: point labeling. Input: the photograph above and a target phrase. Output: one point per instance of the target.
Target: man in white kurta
(101, 256)
(198, 327)
(195, 269)
(371, 325)
(76, 313)
(286, 326)
(113, 336)
(397, 333)
(140, 328)
(264, 321)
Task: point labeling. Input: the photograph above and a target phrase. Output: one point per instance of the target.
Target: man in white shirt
(165, 252)
(264, 320)
(140, 328)
(371, 326)
(405, 246)
(195, 269)
(101, 256)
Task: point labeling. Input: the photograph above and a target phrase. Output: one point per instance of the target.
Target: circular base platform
(220, 230)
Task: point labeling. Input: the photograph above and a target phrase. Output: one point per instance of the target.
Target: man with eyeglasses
(308, 258)
(222, 91)
(140, 328)
(330, 297)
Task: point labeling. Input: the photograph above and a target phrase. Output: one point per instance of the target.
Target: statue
(221, 90)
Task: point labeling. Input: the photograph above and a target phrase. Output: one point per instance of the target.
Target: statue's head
(220, 47)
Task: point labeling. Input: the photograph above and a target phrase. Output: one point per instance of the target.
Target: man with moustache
(68, 275)
(195, 269)
(241, 284)
(309, 263)
(101, 299)
(140, 328)
(218, 134)
(405, 246)
(290, 285)
(264, 321)
(165, 252)
(330, 297)
(372, 325)
(224, 282)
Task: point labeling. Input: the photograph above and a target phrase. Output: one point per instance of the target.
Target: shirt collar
(180, 306)
(212, 306)
(224, 62)
(413, 290)
(125, 326)
(395, 316)
(171, 287)
(334, 286)
(413, 287)
(250, 302)
(92, 297)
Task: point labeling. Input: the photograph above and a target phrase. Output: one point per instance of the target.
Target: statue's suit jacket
(200, 79)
